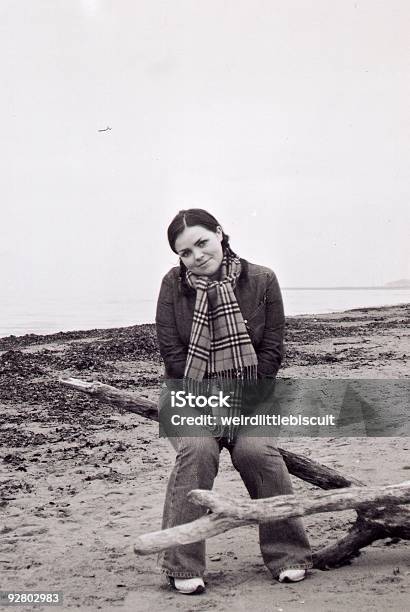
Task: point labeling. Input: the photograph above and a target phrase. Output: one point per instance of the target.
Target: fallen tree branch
(361, 534)
(302, 467)
(205, 527)
(286, 506)
(228, 515)
(127, 400)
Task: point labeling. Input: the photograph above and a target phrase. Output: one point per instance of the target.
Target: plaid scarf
(220, 348)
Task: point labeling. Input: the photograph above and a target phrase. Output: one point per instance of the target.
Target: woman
(219, 316)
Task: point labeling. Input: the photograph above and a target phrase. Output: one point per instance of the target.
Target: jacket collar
(243, 277)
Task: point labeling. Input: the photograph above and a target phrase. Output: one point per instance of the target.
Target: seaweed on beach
(17, 363)
(29, 371)
(125, 341)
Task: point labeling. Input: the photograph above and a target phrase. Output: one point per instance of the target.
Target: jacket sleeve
(270, 351)
(171, 347)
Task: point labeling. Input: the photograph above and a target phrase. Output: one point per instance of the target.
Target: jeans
(284, 544)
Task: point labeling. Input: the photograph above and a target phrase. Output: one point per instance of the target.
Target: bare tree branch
(229, 515)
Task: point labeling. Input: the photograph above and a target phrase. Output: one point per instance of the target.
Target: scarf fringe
(234, 379)
(249, 372)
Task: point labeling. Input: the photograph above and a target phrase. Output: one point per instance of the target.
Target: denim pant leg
(195, 467)
(284, 544)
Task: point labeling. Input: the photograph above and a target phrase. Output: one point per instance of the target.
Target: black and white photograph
(205, 305)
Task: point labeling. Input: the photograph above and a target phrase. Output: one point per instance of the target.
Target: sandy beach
(80, 480)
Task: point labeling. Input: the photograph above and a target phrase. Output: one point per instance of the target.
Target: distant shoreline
(66, 313)
(6, 342)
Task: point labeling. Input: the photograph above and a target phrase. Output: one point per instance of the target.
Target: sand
(79, 480)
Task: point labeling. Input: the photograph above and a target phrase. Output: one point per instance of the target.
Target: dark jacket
(260, 301)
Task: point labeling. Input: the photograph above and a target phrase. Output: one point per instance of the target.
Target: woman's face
(200, 250)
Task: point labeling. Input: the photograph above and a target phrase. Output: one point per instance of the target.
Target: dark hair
(189, 218)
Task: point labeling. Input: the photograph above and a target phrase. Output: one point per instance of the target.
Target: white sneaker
(189, 586)
(292, 575)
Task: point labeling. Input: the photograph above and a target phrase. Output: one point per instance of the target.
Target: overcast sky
(287, 119)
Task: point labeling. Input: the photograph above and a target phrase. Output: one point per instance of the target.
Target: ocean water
(51, 316)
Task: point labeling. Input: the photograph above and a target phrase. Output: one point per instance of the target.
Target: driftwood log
(380, 510)
(228, 515)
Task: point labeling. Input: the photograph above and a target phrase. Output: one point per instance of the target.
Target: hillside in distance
(403, 283)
